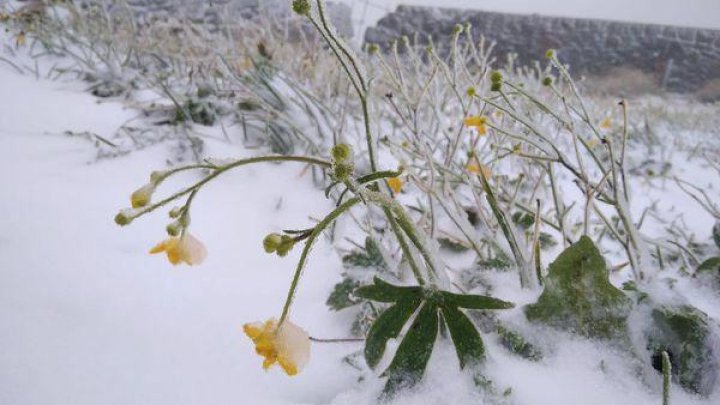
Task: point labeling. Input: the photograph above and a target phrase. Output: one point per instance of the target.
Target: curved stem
(306, 251)
(220, 170)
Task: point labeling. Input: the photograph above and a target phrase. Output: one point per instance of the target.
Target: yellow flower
(474, 167)
(395, 184)
(183, 249)
(288, 345)
(477, 122)
(606, 123)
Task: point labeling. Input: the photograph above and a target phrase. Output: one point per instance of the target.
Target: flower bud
(123, 218)
(141, 197)
(157, 176)
(457, 29)
(271, 242)
(341, 152)
(471, 91)
(301, 7)
(175, 212)
(373, 49)
(496, 76)
(550, 53)
(286, 245)
(343, 171)
(547, 81)
(496, 86)
(173, 228)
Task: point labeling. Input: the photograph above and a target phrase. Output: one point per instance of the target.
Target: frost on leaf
(686, 335)
(341, 296)
(371, 258)
(578, 296)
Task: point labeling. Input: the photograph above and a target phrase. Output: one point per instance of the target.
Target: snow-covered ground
(88, 317)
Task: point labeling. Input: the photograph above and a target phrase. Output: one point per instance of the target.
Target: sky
(698, 13)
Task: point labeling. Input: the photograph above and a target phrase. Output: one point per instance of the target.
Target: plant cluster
(434, 153)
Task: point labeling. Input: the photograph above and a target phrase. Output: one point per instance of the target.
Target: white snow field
(88, 317)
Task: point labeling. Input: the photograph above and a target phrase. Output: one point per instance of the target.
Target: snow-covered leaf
(387, 326)
(468, 343)
(408, 365)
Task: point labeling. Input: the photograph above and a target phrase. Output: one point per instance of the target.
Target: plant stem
(666, 371)
(306, 250)
(218, 170)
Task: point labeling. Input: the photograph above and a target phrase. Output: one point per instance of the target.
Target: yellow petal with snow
(185, 249)
(288, 345)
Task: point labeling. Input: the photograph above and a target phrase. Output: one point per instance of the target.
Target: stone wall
(677, 58)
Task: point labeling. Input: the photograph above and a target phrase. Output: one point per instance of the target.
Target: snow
(88, 317)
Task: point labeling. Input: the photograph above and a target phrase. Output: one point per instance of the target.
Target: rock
(578, 296)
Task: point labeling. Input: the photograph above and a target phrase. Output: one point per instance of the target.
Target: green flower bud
(173, 228)
(547, 82)
(495, 86)
(175, 212)
(141, 197)
(301, 7)
(343, 171)
(286, 245)
(271, 242)
(496, 76)
(373, 49)
(156, 176)
(471, 91)
(123, 218)
(341, 152)
(457, 29)
(550, 53)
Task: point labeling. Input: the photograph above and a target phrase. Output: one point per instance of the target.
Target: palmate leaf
(411, 359)
(382, 291)
(408, 365)
(371, 258)
(710, 265)
(388, 326)
(466, 339)
(341, 295)
(474, 301)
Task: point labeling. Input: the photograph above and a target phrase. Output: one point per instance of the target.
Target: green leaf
(468, 343)
(371, 258)
(523, 220)
(710, 265)
(382, 291)
(474, 301)
(341, 295)
(578, 296)
(411, 359)
(387, 326)
(496, 263)
(517, 344)
(452, 246)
